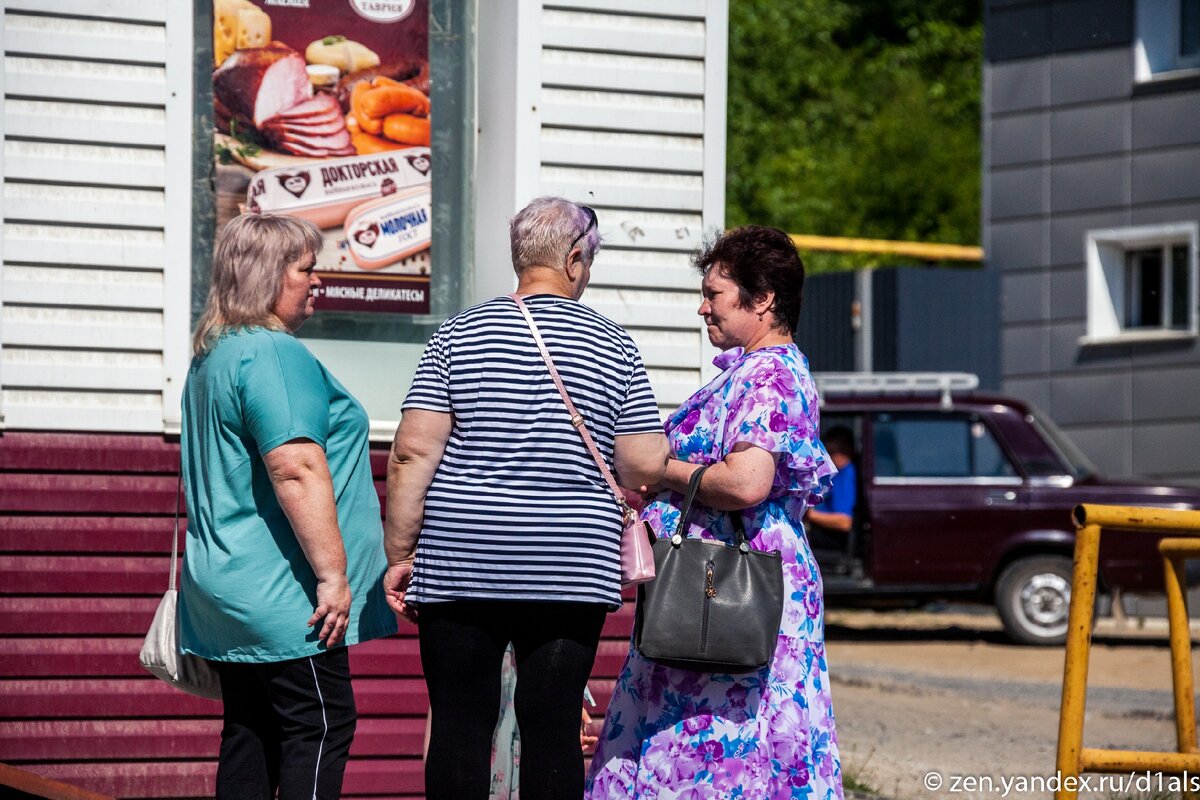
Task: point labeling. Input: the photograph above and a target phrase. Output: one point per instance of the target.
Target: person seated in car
(833, 519)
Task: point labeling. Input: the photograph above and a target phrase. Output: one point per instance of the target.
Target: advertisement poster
(322, 112)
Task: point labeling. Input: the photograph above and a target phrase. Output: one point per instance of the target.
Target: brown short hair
(759, 260)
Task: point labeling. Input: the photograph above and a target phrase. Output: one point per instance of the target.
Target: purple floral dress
(769, 734)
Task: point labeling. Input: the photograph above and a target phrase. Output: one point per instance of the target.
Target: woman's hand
(640, 458)
(333, 606)
(395, 587)
(587, 742)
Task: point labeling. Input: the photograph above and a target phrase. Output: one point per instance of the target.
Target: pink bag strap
(576, 417)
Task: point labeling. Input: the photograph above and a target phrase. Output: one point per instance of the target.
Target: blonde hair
(252, 254)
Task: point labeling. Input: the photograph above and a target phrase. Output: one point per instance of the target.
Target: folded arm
(742, 479)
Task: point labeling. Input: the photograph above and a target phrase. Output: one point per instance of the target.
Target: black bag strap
(739, 526)
(739, 529)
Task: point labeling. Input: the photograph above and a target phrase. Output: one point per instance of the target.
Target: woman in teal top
(284, 555)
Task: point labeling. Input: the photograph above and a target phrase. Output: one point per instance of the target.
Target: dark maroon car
(968, 496)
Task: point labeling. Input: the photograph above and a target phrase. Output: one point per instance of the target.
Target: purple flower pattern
(672, 734)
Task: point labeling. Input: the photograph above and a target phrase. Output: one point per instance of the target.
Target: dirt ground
(922, 692)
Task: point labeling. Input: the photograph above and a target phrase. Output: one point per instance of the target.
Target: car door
(941, 491)
(839, 552)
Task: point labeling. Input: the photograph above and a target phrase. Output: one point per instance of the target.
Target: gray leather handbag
(713, 607)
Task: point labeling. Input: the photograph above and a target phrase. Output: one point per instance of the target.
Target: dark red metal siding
(85, 527)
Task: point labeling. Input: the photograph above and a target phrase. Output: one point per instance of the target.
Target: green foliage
(855, 781)
(246, 144)
(856, 119)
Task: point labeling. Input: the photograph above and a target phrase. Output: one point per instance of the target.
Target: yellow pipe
(1181, 651)
(1180, 548)
(1075, 665)
(926, 251)
(1137, 760)
(1161, 520)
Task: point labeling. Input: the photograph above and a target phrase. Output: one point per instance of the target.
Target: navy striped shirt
(518, 509)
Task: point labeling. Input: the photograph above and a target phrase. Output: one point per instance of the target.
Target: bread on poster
(345, 54)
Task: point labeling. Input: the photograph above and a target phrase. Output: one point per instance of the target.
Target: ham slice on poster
(260, 82)
(268, 89)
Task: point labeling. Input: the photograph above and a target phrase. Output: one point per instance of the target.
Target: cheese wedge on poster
(237, 25)
(390, 229)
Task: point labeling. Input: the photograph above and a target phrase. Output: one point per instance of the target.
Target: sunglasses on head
(591, 215)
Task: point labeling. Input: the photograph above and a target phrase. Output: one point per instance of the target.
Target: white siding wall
(88, 114)
(619, 104)
(633, 123)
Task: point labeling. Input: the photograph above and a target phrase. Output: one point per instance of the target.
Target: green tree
(856, 119)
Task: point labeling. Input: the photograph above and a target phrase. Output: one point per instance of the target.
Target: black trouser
(462, 649)
(288, 726)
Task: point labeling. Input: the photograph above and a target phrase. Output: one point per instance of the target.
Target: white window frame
(177, 229)
(1156, 53)
(1106, 280)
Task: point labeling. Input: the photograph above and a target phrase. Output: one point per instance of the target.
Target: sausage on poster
(324, 192)
(390, 229)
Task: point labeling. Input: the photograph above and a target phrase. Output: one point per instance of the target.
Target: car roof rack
(896, 383)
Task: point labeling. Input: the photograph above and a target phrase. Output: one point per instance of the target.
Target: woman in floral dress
(677, 734)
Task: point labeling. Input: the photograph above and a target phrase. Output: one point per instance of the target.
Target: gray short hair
(251, 255)
(541, 233)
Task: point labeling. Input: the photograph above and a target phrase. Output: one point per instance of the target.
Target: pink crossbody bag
(637, 558)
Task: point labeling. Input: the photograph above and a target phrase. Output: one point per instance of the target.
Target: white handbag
(160, 650)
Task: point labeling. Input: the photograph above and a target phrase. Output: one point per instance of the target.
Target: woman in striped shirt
(500, 527)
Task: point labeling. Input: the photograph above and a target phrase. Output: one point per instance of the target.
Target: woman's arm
(741, 480)
(416, 453)
(639, 459)
(300, 475)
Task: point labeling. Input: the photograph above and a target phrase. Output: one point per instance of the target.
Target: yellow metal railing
(1073, 758)
(925, 251)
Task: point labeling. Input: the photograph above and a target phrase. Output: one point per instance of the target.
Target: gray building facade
(1091, 209)
(906, 319)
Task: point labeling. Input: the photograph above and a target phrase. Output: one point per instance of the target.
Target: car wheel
(1033, 597)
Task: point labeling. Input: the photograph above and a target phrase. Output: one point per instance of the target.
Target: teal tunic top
(248, 590)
